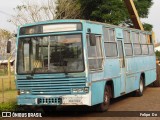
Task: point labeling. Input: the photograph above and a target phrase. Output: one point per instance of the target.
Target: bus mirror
(15, 35)
(92, 39)
(9, 47)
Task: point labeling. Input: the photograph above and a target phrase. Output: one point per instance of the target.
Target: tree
(68, 9)
(38, 10)
(33, 11)
(157, 54)
(147, 27)
(112, 11)
(4, 36)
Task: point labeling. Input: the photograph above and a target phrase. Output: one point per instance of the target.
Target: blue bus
(80, 62)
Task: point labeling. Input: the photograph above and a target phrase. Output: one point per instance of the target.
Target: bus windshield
(50, 54)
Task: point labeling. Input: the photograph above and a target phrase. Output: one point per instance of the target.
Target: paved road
(149, 102)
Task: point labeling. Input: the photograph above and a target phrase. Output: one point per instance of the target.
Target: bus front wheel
(106, 100)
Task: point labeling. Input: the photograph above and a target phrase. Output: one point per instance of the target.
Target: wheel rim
(141, 86)
(105, 98)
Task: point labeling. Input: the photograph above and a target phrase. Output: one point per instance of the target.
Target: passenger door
(119, 36)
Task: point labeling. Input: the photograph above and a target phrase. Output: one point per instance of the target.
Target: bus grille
(49, 101)
(50, 86)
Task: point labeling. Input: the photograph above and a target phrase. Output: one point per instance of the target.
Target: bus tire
(102, 107)
(49, 109)
(139, 92)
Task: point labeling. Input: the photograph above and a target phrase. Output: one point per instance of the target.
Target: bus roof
(82, 21)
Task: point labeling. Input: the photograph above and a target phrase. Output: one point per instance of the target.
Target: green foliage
(142, 7)
(8, 106)
(158, 54)
(109, 11)
(112, 11)
(147, 27)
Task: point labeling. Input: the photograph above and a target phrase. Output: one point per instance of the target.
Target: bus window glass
(127, 44)
(127, 37)
(26, 57)
(143, 39)
(144, 49)
(149, 39)
(111, 49)
(98, 46)
(111, 35)
(135, 37)
(120, 49)
(91, 51)
(93, 64)
(151, 49)
(95, 57)
(61, 53)
(128, 49)
(100, 61)
(106, 34)
(137, 49)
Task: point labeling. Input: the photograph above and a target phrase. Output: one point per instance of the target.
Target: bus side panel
(131, 83)
(150, 77)
(150, 65)
(97, 92)
(117, 87)
(112, 72)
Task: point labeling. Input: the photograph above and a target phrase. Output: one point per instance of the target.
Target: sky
(7, 10)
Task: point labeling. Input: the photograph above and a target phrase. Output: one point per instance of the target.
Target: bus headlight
(80, 90)
(25, 91)
(86, 90)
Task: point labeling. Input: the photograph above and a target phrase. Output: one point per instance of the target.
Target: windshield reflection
(50, 54)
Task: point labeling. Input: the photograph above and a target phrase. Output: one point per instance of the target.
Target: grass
(8, 106)
(9, 103)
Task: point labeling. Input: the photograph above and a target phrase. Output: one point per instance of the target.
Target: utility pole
(9, 71)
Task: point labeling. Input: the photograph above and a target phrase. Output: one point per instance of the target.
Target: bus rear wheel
(106, 101)
(139, 92)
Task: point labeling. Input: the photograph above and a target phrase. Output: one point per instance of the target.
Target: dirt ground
(125, 107)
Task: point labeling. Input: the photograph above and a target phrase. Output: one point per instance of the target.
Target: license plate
(74, 101)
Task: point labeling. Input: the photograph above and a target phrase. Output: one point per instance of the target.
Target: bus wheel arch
(107, 95)
(111, 84)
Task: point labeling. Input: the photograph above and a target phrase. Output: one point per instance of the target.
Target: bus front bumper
(54, 100)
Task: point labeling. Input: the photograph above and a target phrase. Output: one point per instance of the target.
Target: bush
(8, 106)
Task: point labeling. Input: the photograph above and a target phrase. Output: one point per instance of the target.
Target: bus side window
(109, 42)
(127, 44)
(136, 43)
(151, 49)
(149, 39)
(144, 44)
(95, 56)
